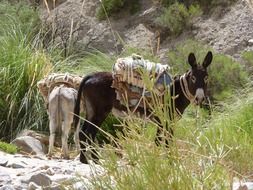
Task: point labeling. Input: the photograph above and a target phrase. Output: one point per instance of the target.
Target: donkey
(100, 98)
(61, 105)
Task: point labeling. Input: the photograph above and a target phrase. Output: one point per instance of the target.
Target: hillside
(227, 30)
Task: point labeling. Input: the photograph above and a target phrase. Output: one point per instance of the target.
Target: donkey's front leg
(165, 133)
(83, 142)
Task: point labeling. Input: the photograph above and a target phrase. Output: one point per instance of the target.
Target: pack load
(47, 84)
(129, 75)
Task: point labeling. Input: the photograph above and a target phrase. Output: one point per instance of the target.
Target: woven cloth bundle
(47, 84)
(130, 70)
(128, 79)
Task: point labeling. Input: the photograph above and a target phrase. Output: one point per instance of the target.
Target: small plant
(9, 148)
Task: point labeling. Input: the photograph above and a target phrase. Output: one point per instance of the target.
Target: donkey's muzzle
(199, 96)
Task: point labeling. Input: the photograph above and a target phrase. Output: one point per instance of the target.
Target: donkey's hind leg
(52, 126)
(64, 138)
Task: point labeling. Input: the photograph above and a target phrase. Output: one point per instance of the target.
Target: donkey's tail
(78, 101)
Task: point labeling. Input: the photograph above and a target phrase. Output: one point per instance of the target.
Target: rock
(41, 179)
(3, 161)
(242, 185)
(50, 171)
(87, 31)
(140, 37)
(44, 139)
(34, 186)
(49, 4)
(250, 42)
(16, 165)
(29, 145)
(233, 29)
(4, 177)
(90, 33)
(45, 174)
(56, 186)
(7, 187)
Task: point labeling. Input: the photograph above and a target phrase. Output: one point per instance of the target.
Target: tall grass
(202, 155)
(21, 66)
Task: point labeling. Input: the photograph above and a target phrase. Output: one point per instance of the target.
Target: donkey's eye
(206, 79)
(193, 78)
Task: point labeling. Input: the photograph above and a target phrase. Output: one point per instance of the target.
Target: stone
(34, 186)
(7, 187)
(3, 161)
(41, 179)
(44, 139)
(4, 177)
(16, 165)
(250, 42)
(29, 145)
(50, 171)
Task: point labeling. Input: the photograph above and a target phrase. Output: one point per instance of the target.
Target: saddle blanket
(47, 84)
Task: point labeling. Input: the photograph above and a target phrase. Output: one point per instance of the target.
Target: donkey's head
(197, 77)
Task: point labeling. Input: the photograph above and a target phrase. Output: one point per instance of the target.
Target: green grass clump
(227, 136)
(9, 148)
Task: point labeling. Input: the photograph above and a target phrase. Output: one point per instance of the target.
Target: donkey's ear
(192, 60)
(208, 59)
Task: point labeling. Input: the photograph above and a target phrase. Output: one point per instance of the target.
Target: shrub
(225, 74)
(178, 18)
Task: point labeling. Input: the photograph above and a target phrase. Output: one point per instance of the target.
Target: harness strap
(185, 89)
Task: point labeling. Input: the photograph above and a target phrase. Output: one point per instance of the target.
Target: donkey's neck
(181, 101)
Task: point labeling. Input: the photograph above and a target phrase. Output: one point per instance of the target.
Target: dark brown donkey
(100, 98)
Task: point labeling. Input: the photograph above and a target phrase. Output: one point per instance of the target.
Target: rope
(185, 89)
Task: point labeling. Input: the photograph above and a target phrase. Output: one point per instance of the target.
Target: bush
(225, 74)
(108, 7)
(178, 18)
